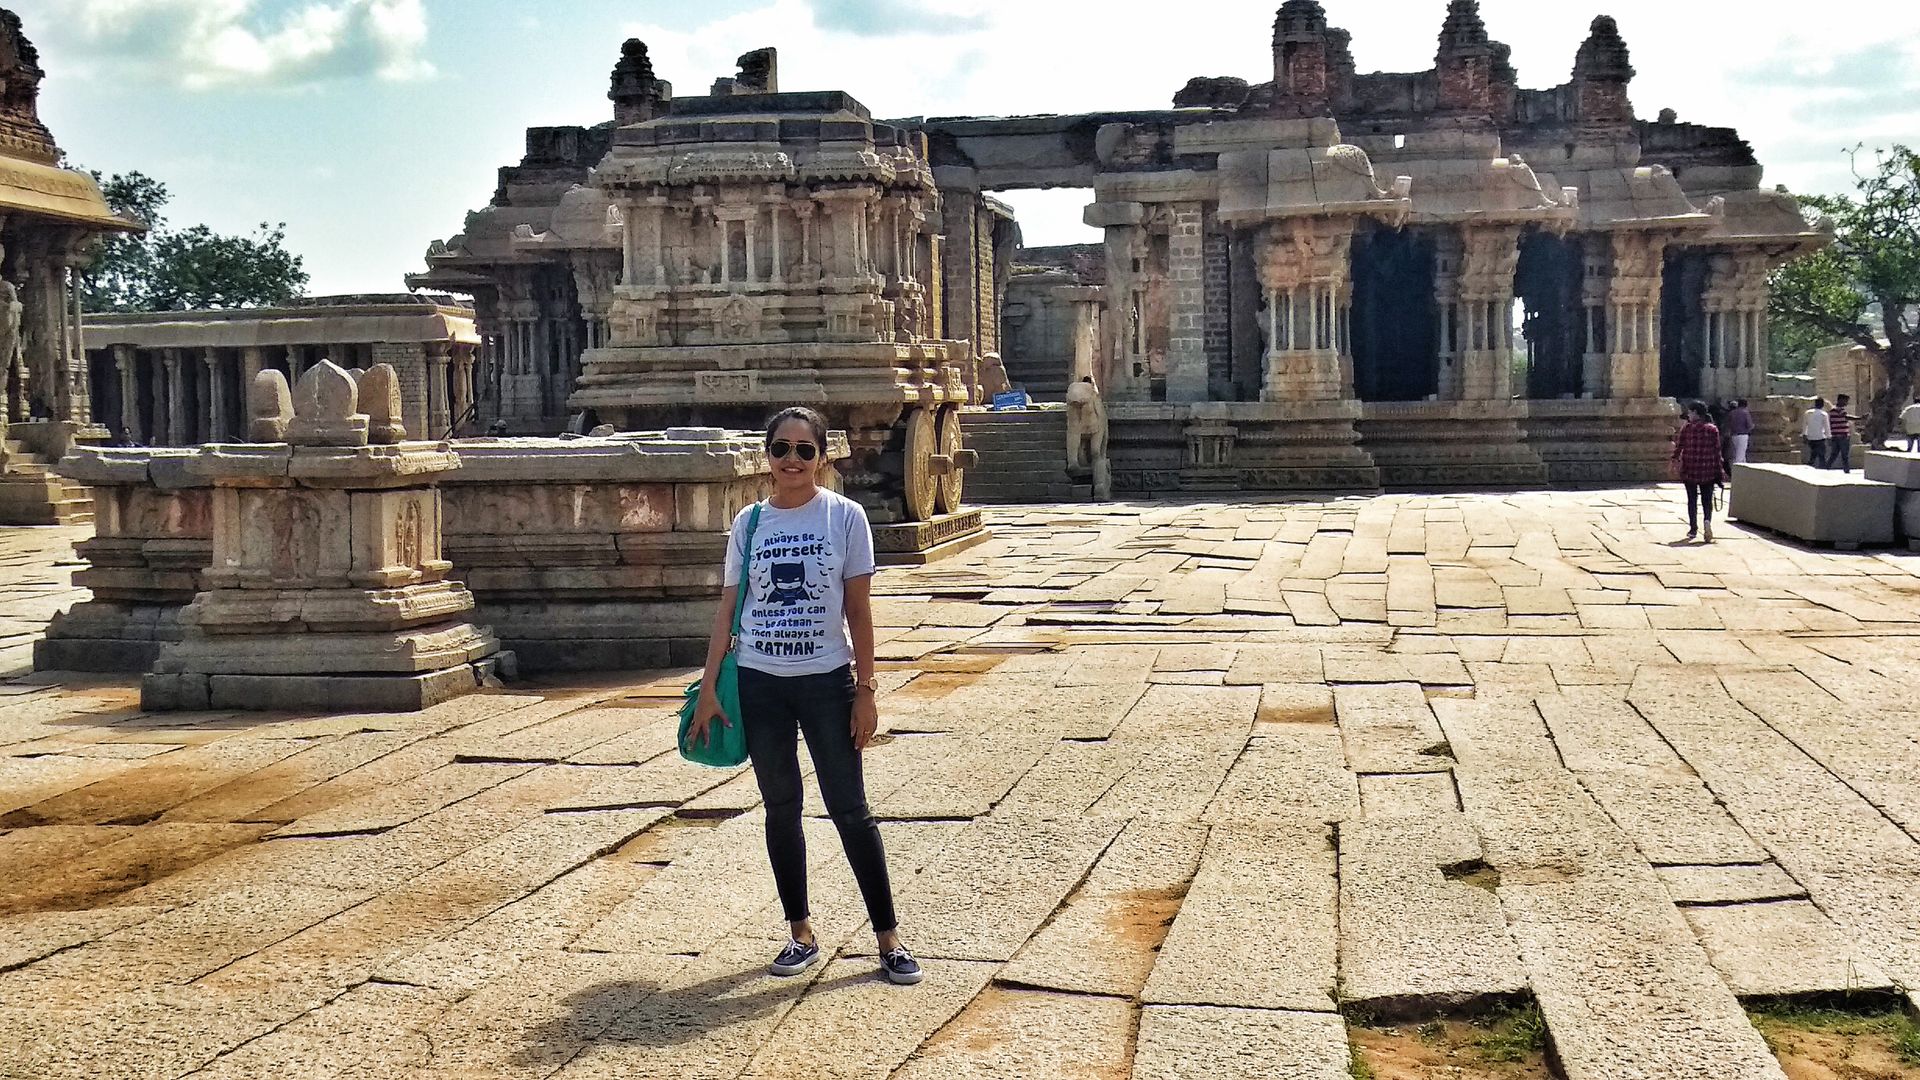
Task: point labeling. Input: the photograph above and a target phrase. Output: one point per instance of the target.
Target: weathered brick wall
(1218, 312)
(1186, 340)
(409, 360)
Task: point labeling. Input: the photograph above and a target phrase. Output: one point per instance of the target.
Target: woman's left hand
(866, 718)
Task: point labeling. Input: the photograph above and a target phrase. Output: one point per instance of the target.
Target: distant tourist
(806, 632)
(1840, 435)
(1698, 464)
(1739, 431)
(1814, 427)
(1910, 422)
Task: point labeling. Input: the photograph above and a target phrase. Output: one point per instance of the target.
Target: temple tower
(1465, 61)
(636, 94)
(1601, 72)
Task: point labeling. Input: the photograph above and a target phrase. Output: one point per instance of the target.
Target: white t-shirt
(795, 619)
(1814, 424)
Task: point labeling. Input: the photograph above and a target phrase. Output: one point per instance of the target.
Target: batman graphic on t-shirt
(789, 584)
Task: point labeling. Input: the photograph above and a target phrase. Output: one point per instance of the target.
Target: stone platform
(1671, 760)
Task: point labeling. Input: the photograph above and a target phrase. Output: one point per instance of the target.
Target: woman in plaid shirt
(1698, 463)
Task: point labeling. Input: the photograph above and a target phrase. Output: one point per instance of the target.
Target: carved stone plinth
(153, 539)
(1273, 446)
(1448, 444)
(327, 587)
(602, 553)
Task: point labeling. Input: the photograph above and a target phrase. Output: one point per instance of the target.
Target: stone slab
(1417, 935)
(1293, 774)
(1106, 936)
(1729, 884)
(1184, 1042)
(1782, 947)
(1888, 467)
(1271, 893)
(995, 883)
(858, 1026)
(1024, 1033)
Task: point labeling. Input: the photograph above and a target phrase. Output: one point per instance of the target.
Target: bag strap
(746, 560)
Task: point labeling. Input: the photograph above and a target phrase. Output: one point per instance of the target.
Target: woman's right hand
(706, 709)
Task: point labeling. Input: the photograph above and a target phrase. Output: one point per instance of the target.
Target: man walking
(1815, 429)
(1739, 431)
(1910, 422)
(1840, 435)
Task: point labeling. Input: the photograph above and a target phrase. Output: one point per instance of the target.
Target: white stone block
(1816, 505)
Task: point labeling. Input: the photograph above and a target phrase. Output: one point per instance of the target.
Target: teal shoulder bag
(726, 743)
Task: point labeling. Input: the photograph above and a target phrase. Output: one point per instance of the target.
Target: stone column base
(327, 693)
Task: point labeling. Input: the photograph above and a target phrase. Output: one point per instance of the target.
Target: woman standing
(805, 657)
(1699, 465)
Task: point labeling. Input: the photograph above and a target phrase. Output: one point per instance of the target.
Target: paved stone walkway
(1166, 787)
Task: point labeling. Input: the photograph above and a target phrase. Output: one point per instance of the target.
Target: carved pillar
(462, 383)
(124, 363)
(1489, 258)
(630, 242)
(777, 268)
(213, 391)
(1735, 302)
(1447, 254)
(169, 411)
(1633, 312)
(439, 416)
(1596, 369)
(1303, 266)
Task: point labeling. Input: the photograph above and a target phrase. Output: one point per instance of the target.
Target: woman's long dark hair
(1699, 409)
(806, 416)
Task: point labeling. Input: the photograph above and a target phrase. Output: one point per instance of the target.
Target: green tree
(1864, 287)
(166, 269)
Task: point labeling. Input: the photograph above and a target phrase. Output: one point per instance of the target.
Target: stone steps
(1022, 458)
(31, 493)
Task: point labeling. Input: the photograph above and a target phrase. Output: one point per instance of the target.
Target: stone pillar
(1490, 254)
(169, 421)
(1735, 303)
(1633, 314)
(462, 384)
(1596, 369)
(439, 414)
(253, 358)
(1187, 306)
(214, 392)
(1303, 266)
(125, 362)
(1447, 254)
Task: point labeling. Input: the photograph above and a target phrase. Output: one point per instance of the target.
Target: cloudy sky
(371, 126)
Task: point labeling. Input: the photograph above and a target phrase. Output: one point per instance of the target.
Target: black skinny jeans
(1699, 504)
(774, 708)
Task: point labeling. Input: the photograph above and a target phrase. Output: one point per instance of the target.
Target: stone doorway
(1395, 329)
(1547, 283)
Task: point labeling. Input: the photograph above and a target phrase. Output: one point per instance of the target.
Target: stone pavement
(1165, 788)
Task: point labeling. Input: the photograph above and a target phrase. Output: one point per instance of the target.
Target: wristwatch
(870, 685)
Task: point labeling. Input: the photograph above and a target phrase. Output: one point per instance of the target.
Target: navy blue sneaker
(901, 967)
(795, 958)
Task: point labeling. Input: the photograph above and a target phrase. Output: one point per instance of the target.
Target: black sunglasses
(780, 448)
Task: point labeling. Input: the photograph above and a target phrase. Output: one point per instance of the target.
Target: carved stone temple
(1322, 279)
(50, 218)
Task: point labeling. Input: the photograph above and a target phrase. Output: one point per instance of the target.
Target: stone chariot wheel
(918, 482)
(950, 439)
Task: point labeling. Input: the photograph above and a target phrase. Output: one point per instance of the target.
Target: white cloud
(202, 44)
